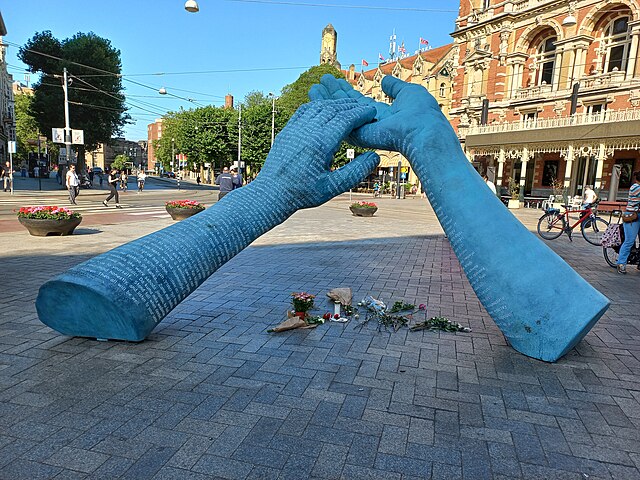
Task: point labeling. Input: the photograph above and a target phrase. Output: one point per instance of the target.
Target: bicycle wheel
(551, 226)
(610, 255)
(592, 230)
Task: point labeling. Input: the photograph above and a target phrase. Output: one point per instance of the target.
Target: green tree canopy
(26, 126)
(120, 162)
(96, 102)
(297, 93)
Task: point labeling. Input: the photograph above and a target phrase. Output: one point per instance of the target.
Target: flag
(424, 41)
(381, 57)
(402, 49)
(365, 63)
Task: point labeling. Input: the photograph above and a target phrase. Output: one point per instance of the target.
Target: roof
(3, 29)
(432, 56)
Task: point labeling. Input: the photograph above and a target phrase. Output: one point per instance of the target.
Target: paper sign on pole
(351, 153)
(12, 146)
(57, 135)
(77, 137)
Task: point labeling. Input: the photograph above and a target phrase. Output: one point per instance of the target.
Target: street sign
(57, 135)
(12, 146)
(351, 153)
(404, 169)
(403, 176)
(207, 165)
(77, 137)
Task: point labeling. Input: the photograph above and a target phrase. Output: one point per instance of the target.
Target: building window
(486, 4)
(617, 41)
(550, 172)
(443, 90)
(545, 59)
(529, 118)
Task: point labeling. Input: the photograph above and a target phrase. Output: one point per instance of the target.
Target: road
(136, 206)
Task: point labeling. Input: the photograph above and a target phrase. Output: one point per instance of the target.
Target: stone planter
(363, 212)
(513, 204)
(45, 227)
(182, 213)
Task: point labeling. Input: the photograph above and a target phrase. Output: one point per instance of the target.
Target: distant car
(169, 174)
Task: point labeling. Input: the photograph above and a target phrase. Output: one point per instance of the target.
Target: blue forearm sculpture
(520, 281)
(124, 293)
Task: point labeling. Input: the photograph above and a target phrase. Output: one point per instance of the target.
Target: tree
(96, 102)
(297, 93)
(26, 127)
(120, 162)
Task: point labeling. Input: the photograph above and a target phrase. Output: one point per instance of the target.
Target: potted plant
(514, 191)
(43, 221)
(363, 209)
(302, 302)
(181, 209)
(559, 199)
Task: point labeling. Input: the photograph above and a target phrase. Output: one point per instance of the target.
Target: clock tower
(328, 49)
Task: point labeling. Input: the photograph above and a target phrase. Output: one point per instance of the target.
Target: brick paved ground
(211, 394)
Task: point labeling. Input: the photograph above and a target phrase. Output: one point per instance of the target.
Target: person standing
(123, 181)
(7, 176)
(225, 180)
(36, 171)
(72, 183)
(489, 183)
(589, 197)
(237, 178)
(141, 178)
(198, 179)
(631, 228)
(112, 181)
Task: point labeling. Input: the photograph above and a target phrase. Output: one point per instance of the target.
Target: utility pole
(67, 128)
(239, 140)
(273, 120)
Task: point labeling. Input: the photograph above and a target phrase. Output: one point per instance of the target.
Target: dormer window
(443, 90)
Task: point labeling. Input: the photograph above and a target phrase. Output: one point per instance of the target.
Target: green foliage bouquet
(47, 212)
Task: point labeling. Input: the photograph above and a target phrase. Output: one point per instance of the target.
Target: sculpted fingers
(351, 174)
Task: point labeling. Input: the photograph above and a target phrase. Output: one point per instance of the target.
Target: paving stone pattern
(211, 394)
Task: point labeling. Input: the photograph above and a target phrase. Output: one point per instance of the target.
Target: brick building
(549, 91)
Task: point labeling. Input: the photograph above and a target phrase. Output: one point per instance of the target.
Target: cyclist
(632, 227)
(141, 178)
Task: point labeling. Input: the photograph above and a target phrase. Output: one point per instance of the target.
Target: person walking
(7, 176)
(225, 180)
(123, 181)
(141, 178)
(631, 224)
(73, 184)
(198, 181)
(489, 183)
(112, 181)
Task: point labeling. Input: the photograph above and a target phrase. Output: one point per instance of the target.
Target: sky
(229, 46)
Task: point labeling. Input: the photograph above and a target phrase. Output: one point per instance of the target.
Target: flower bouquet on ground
(181, 209)
(363, 209)
(43, 221)
(302, 302)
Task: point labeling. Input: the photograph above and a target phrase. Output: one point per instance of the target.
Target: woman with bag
(631, 224)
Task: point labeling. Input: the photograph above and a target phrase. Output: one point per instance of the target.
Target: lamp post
(273, 117)
(173, 154)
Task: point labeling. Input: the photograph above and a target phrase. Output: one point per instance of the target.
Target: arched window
(545, 59)
(443, 90)
(617, 41)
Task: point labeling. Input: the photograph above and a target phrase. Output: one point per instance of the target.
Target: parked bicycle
(553, 224)
(611, 252)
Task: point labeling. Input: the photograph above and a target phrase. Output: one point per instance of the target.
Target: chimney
(228, 101)
(352, 72)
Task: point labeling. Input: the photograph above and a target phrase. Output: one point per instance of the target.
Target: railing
(603, 80)
(532, 92)
(608, 116)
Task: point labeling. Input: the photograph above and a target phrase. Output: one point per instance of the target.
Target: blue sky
(251, 45)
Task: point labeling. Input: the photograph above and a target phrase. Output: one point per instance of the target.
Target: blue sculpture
(542, 306)
(101, 299)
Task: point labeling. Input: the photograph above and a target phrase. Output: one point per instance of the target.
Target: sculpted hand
(413, 113)
(299, 164)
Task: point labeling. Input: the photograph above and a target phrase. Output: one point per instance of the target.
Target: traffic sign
(12, 146)
(351, 153)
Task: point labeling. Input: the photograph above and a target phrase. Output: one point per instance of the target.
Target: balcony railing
(602, 81)
(608, 116)
(533, 92)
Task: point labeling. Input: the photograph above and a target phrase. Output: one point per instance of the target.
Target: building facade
(431, 68)
(7, 108)
(546, 93)
(154, 133)
(104, 155)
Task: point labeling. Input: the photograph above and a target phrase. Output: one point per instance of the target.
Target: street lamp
(273, 116)
(191, 6)
(173, 154)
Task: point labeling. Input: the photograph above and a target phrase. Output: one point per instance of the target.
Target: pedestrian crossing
(14, 203)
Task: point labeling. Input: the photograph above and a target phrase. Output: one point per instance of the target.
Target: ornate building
(329, 47)
(433, 69)
(548, 91)
(7, 112)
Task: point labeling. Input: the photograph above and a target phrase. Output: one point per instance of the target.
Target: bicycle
(553, 224)
(611, 253)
